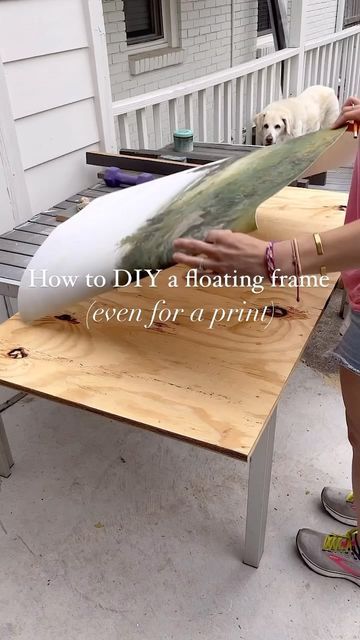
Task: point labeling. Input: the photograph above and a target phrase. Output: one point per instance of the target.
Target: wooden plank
(14, 259)
(65, 204)
(147, 376)
(90, 193)
(48, 212)
(70, 209)
(37, 141)
(11, 273)
(131, 163)
(43, 218)
(101, 186)
(62, 216)
(75, 199)
(26, 237)
(22, 248)
(32, 227)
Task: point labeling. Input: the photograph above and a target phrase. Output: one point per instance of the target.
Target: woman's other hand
(223, 252)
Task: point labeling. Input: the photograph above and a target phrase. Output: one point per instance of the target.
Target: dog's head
(272, 126)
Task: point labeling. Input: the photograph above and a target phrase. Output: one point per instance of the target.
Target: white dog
(316, 108)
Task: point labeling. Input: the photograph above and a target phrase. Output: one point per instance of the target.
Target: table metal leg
(258, 494)
(6, 459)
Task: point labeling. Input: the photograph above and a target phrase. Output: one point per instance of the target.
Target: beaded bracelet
(297, 267)
(270, 264)
(270, 260)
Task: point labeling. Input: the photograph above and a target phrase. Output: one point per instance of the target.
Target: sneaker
(339, 503)
(331, 555)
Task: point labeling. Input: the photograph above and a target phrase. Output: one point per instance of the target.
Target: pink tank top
(351, 278)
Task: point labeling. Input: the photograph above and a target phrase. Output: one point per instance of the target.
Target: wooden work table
(216, 388)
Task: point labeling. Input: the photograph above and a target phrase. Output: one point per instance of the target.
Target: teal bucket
(183, 140)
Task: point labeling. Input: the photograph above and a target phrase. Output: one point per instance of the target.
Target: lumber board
(13, 259)
(135, 163)
(33, 227)
(25, 236)
(22, 248)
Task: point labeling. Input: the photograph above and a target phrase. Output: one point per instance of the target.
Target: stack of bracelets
(270, 261)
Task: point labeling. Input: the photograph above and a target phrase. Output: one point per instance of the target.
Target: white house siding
(52, 88)
(212, 38)
(320, 18)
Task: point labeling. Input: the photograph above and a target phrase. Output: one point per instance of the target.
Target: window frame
(350, 22)
(171, 37)
(264, 32)
(158, 33)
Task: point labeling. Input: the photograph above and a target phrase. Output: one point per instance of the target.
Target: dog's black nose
(269, 139)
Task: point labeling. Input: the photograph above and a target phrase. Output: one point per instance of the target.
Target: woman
(337, 250)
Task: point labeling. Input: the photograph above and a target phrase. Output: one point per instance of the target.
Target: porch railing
(220, 107)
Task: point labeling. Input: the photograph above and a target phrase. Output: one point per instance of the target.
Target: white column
(297, 40)
(93, 11)
(340, 15)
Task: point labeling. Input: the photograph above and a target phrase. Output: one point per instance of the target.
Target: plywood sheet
(215, 388)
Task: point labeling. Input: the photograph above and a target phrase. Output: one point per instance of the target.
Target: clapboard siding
(47, 183)
(52, 55)
(30, 28)
(45, 136)
(61, 79)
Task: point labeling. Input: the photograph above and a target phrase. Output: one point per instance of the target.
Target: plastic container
(183, 140)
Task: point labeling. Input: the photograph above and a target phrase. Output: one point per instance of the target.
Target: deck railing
(220, 107)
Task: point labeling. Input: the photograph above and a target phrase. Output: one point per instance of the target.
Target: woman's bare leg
(350, 387)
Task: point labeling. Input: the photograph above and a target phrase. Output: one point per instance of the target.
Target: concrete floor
(109, 532)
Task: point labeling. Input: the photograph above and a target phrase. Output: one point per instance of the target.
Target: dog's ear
(287, 120)
(287, 127)
(259, 119)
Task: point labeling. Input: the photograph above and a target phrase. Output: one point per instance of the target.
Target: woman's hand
(350, 112)
(223, 252)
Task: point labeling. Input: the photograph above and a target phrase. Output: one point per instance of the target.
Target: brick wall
(211, 39)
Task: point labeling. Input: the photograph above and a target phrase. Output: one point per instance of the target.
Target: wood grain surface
(213, 387)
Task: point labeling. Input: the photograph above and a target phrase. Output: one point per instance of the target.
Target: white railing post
(297, 40)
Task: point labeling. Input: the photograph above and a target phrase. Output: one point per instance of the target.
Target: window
(144, 21)
(153, 35)
(264, 22)
(351, 13)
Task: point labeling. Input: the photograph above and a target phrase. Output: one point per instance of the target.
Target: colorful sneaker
(339, 503)
(331, 555)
